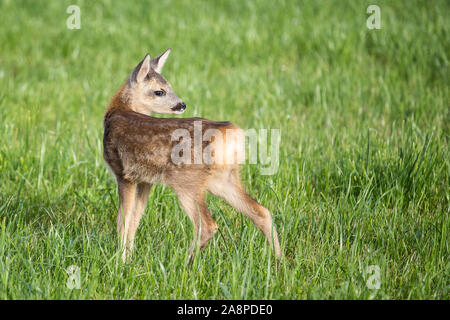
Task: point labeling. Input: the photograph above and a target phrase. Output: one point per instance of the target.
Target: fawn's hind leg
(127, 200)
(228, 187)
(204, 226)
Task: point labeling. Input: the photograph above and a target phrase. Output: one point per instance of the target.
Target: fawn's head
(149, 92)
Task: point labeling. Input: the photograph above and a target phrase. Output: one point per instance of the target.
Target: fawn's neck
(119, 102)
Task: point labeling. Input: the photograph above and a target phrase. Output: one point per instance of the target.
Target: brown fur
(137, 148)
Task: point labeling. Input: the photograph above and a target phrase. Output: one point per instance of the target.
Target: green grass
(364, 159)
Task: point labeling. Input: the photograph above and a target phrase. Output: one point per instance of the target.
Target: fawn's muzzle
(179, 107)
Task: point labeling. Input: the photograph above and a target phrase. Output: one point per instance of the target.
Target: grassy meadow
(363, 176)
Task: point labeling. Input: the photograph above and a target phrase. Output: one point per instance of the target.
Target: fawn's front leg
(127, 202)
(142, 191)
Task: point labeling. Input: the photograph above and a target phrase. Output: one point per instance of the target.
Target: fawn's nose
(180, 107)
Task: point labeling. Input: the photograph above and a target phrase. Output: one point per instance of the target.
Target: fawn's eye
(160, 92)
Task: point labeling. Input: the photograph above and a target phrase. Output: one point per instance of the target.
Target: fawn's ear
(141, 70)
(158, 62)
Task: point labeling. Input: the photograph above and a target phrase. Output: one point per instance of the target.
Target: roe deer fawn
(137, 148)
